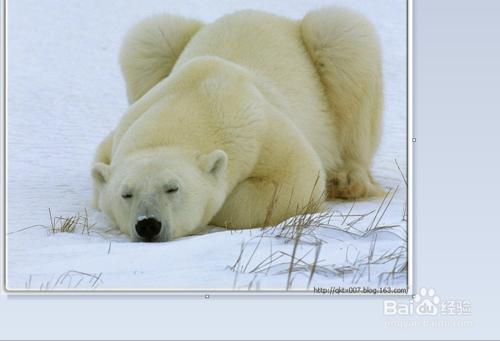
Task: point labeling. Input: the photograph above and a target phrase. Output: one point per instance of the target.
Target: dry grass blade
(350, 225)
(294, 251)
(256, 268)
(26, 228)
(252, 281)
(401, 172)
(387, 206)
(349, 213)
(270, 264)
(370, 254)
(97, 279)
(28, 283)
(379, 208)
(313, 268)
(254, 250)
(52, 225)
(238, 260)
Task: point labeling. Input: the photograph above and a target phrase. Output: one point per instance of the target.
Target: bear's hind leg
(295, 187)
(150, 50)
(345, 50)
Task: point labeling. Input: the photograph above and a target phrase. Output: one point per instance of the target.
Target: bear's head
(162, 194)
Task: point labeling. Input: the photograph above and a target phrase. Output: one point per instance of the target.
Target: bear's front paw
(352, 184)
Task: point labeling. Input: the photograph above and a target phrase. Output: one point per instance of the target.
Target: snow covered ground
(65, 93)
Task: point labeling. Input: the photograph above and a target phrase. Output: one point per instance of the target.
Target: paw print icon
(427, 302)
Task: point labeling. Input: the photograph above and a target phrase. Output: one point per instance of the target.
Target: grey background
(456, 205)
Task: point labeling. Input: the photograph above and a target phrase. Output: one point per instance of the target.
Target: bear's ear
(214, 163)
(100, 173)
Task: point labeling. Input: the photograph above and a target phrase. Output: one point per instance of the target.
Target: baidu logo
(427, 303)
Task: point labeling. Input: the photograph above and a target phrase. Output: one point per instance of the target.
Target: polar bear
(240, 123)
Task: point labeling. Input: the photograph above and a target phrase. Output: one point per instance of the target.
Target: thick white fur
(255, 115)
(151, 49)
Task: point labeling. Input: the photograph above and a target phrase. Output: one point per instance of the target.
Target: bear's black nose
(148, 228)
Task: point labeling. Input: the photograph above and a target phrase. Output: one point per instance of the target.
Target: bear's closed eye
(172, 189)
